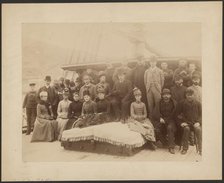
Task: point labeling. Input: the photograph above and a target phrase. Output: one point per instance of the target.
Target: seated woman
(88, 112)
(74, 110)
(138, 121)
(45, 127)
(62, 118)
(102, 107)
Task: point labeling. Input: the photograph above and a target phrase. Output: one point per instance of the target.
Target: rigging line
(73, 48)
(98, 42)
(89, 36)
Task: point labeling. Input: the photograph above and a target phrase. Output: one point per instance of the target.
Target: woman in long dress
(138, 121)
(44, 127)
(62, 118)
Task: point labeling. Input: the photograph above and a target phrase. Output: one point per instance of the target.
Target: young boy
(74, 110)
(87, 86)
(62, 118)
(189, 114)
(30, 107)
(88, 111)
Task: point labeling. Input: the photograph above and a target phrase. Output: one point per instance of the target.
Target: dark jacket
(30, 100)
(122, 89)
(168, 110)
(103, 106)
(138, 77)
(168, 78)
(189, 112)
(178, 93)
(75, 109)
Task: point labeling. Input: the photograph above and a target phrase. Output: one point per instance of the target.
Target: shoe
(171, 150)
(183, 152)
(152, 146)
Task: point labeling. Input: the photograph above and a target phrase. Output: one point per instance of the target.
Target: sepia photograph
(112, 91)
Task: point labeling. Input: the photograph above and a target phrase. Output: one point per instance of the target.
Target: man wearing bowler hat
(166, 125)
(52, 96)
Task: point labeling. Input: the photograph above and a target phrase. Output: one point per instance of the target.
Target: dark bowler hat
(86, 92)
(100, 90)
(166, 91)
(66, 91)
(195, 76)
(32, 84)
(48, 78)
(178, 77)
(189, 91)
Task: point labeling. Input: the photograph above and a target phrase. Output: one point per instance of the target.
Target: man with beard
(189, 114)
(138, 78)
(166, 125)
(178, 90)
(196, 88)
(168, 75)
(182, 71)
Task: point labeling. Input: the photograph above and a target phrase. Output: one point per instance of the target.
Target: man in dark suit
(52, 96)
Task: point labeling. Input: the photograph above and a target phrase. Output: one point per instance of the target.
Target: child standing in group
(88, 111)
(30, 107)
(74, 110)
(139, 121)
(62, 118)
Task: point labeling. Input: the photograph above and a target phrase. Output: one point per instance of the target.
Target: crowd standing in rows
(161, 104)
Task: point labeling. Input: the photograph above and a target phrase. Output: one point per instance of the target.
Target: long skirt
(44, 130)
(144, 127)
(61, 126)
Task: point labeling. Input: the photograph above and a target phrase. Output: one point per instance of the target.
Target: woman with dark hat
(45, 127)
(103, 84)
(88, 111)
(62, 118)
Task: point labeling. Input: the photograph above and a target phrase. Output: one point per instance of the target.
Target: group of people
(161, 104)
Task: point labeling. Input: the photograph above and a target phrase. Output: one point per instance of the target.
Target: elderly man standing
(154, 81)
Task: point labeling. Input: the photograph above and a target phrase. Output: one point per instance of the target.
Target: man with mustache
(166, 125)
(196, 87)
